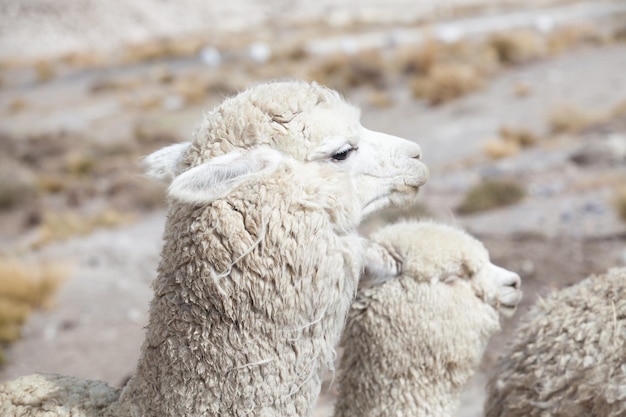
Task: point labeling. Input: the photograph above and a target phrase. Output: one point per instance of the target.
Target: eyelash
(343, 155)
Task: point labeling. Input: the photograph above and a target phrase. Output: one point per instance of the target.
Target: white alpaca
(567, 356)
(260, 260)
(425, 310)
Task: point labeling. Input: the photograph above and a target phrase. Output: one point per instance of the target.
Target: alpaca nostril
(516, 282)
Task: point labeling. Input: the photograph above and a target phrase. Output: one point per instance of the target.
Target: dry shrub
(343, 72)
(491, 194)
(162, 48)
(330, 71)
(517, 47)
(568, 37)
(51, 183)
(446, 82)
(23, 288)
(569, 118)
(510, 141)
(619, 110)
(79, 164)
(498, 148)
(192, 89)
(18, 185)
(83, 59)
(152, 101)
(419, 60)
(480, 55)
(619, 202)
(522, 90)
(520, 135)
(162, 75)
(431, 53)
(44, 70)
(107, 84)
(380, 98)
(131, 192)
(150, 137)
(143, 51)
(17, 105)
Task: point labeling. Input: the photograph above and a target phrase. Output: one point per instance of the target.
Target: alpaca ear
(162, 165)
(221, 175)
(380, 265)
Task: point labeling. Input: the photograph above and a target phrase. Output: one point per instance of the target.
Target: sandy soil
(565, 229)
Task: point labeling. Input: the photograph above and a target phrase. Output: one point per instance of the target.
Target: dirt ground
(78, 132)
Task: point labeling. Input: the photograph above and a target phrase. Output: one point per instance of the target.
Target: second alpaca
(428, 304)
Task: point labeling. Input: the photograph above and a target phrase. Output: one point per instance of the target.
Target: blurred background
(519, 106)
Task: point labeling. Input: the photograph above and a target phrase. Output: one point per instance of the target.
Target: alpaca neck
(372, 392)
(246, 338)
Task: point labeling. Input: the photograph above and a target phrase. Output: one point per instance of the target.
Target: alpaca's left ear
(162, 165)
(380, 265)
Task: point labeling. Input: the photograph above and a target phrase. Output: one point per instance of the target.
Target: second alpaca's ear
(221, 175)
(380, 266)
(162, 165)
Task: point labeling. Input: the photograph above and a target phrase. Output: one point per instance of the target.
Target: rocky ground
(72, 136)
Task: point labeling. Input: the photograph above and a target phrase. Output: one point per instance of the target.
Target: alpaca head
(441, 255)
(298, 130)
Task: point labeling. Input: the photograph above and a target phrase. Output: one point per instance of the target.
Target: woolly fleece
(568, 355)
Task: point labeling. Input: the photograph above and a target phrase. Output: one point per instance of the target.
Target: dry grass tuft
(17, 105)
(569, 118)
(380, 98)
(18, 185)
(446, 82)
(191, 89)
(510, 141)
(491, 194)
(522, 136)
(517, 46)
(568, 37)
(498, 148)
(420, 60)
(343, 72)
(522, 90)
(44, 70)
(79, 164)
(25, 287)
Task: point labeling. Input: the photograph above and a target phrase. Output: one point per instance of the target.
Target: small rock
(608, 150)
(259, 52)
(211, 56)
(594, 207)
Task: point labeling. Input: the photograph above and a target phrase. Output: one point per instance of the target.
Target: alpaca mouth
(507, 310)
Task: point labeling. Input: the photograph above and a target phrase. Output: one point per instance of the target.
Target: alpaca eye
(343, 153)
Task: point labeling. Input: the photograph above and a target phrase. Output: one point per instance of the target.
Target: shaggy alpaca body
(261, 258)
(568, 355)
(423, 315)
